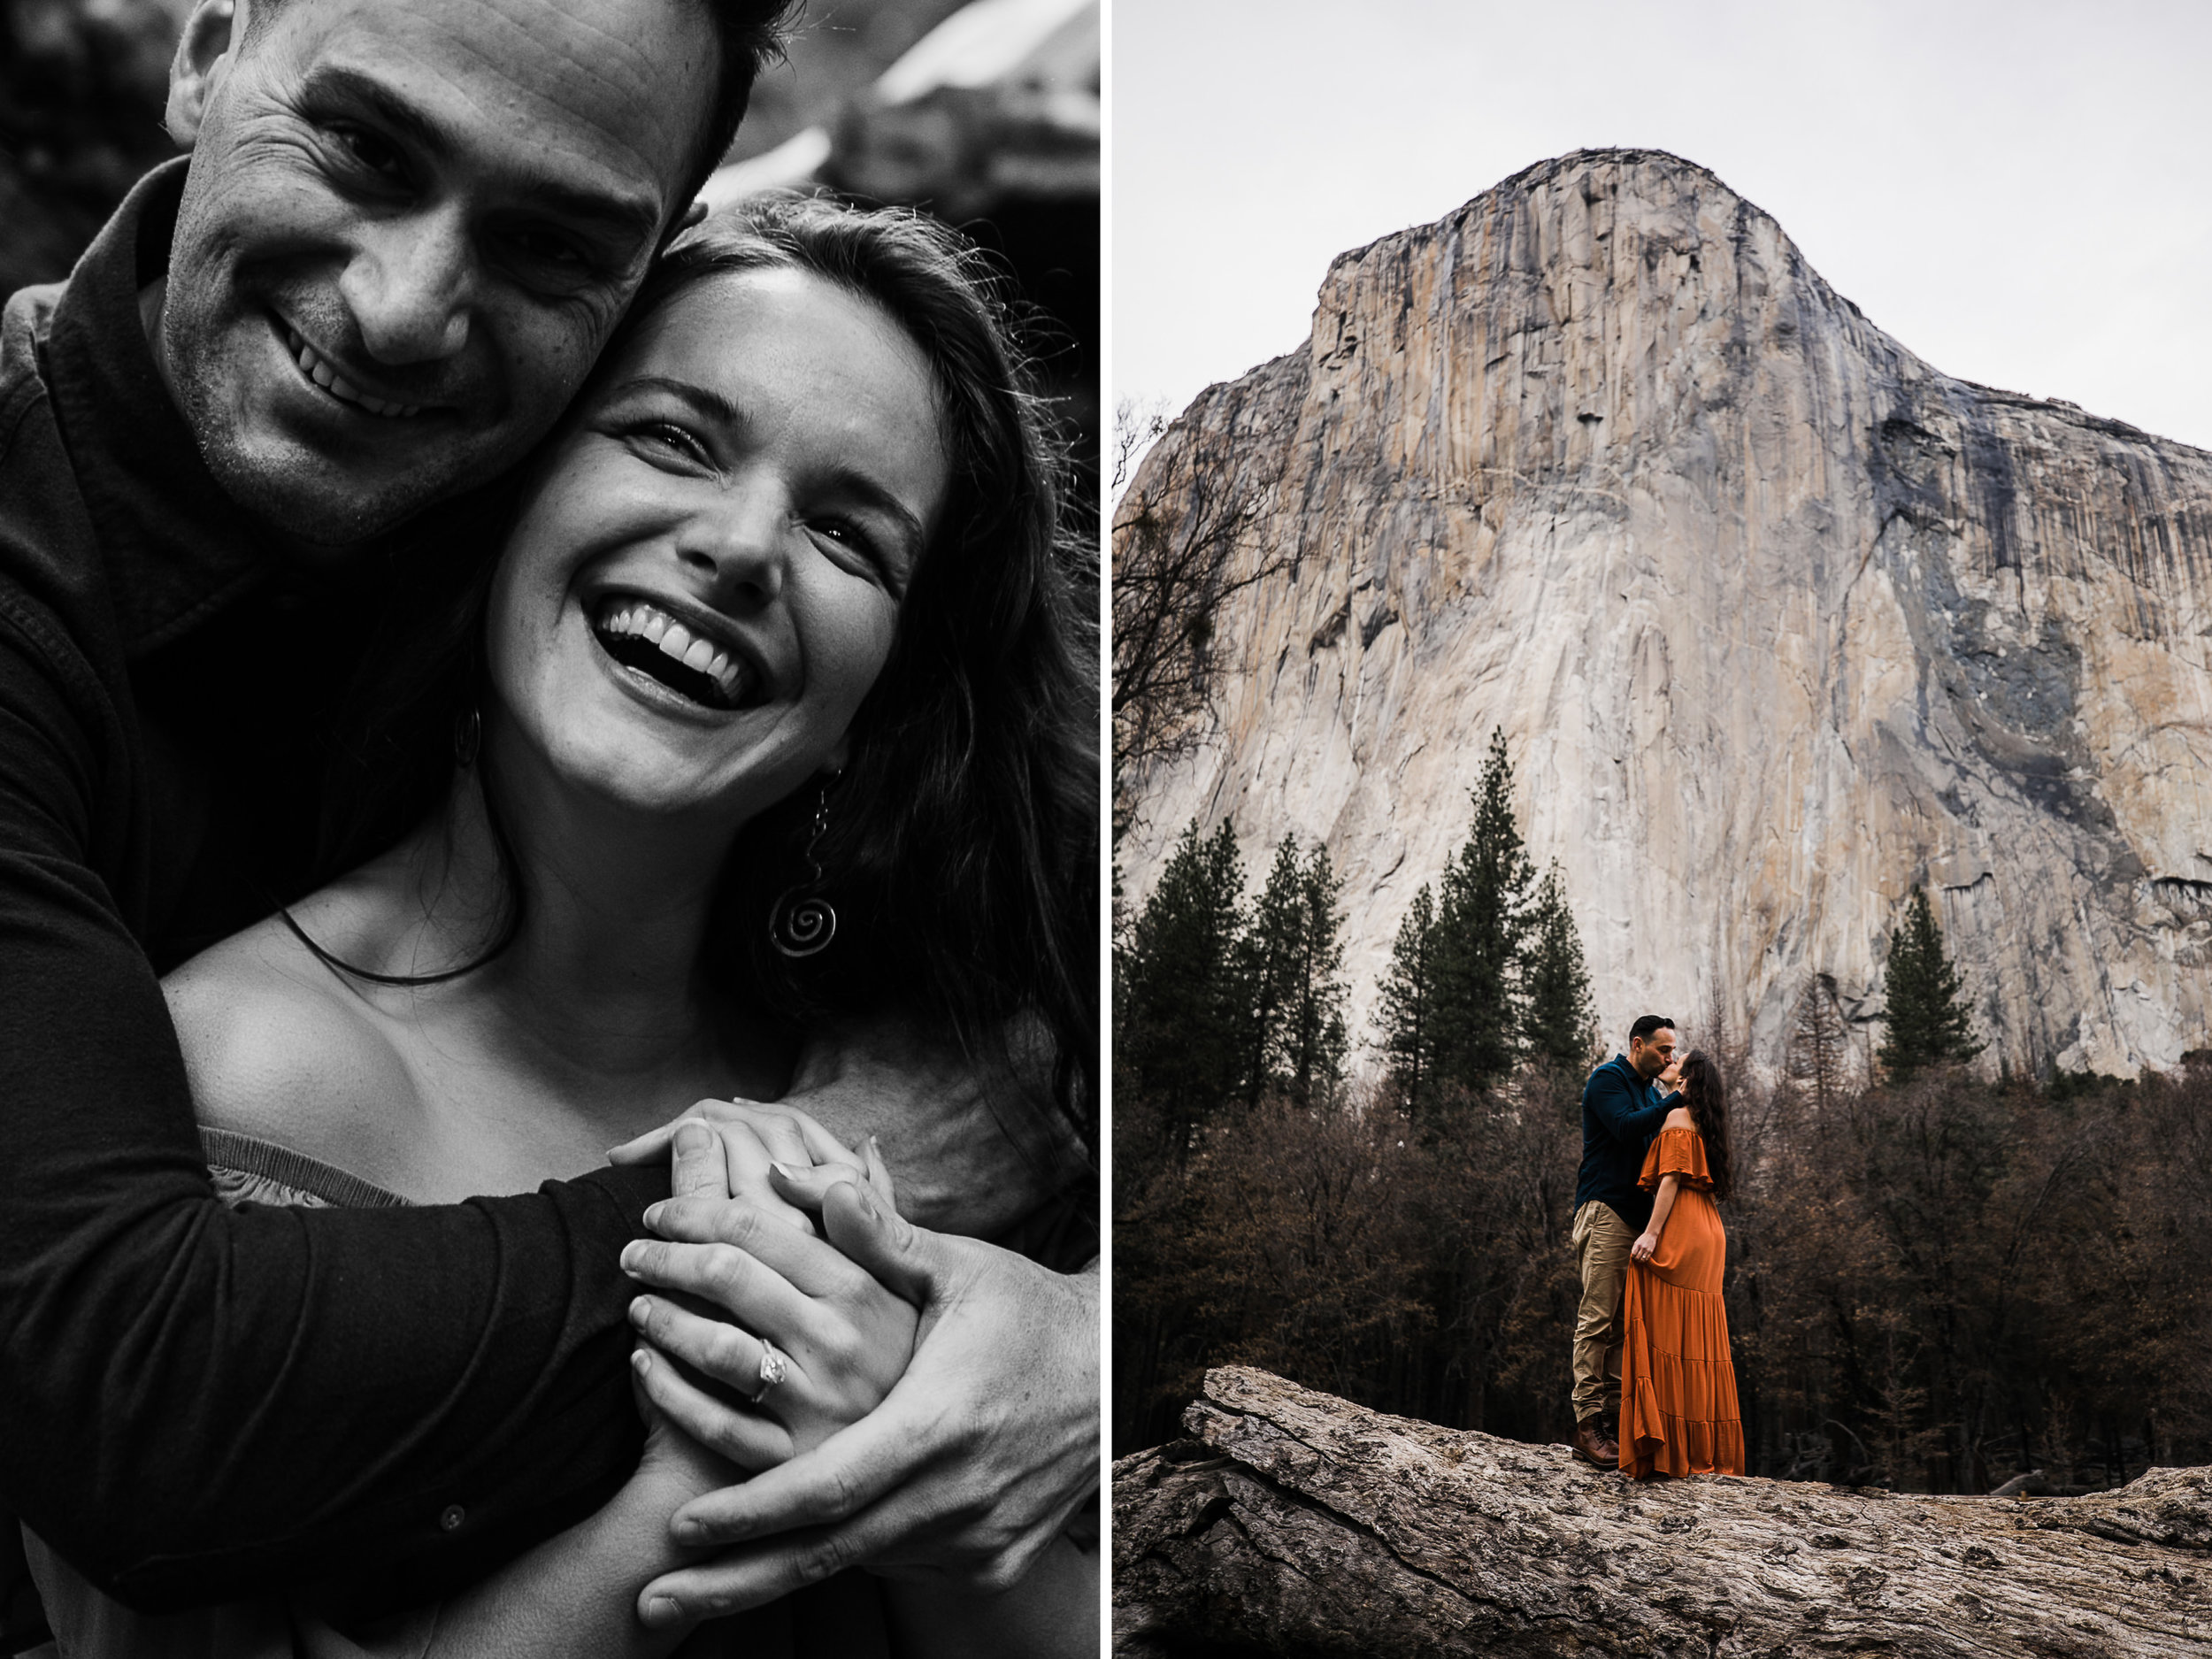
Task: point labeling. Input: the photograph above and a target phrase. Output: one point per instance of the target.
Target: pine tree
(1558, 1023)
(1928, 1023)
(1177, 993)
(1482, 919)
(1405, 1010)
(1269, 965)
(1311, 1053)
(1291, 966)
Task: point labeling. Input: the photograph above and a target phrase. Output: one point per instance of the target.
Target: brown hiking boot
(1594, 1446)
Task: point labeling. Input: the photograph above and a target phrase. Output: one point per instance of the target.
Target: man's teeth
(316, 368)
(676, 640)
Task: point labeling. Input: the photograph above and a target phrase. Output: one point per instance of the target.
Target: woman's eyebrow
(704, 400)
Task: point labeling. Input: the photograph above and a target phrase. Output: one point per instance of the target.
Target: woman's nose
(739, 542)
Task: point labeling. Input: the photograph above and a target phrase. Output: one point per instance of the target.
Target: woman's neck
(604, 973)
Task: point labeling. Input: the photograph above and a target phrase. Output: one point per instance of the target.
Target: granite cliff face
(1777, 619)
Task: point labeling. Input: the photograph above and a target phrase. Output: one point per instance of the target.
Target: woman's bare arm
(1661, 1207)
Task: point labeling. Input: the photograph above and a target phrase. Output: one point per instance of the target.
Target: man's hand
(970, 1467)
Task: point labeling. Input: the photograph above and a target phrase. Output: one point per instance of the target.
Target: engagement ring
(771, 1370)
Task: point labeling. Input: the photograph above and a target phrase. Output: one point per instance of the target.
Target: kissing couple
(492, 668)
(1651, 1335)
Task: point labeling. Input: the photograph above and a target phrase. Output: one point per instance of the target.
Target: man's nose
(409, 285)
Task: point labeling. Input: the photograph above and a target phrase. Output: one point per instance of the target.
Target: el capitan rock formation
(1777, 619)
(1296, 1523)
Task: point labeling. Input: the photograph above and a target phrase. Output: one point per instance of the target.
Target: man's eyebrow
(636, 214)
(712, 405)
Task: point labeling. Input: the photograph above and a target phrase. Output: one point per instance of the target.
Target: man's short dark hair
(1641, 1032)
(752, 35)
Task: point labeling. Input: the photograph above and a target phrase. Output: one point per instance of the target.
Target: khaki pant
(1602, 1241)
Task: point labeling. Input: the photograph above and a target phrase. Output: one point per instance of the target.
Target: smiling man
(406, 229)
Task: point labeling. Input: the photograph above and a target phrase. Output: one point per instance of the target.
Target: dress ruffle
(1677, 1152)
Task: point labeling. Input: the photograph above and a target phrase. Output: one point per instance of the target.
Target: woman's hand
(762, 1137)
(1641, 1250)
(675, 1467)
(843, 1338)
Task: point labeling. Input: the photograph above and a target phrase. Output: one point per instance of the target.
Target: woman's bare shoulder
(279, 1047)
(1679, 1119)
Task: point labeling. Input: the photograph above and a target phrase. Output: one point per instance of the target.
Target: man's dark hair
(1641, 1032)
(751, 36)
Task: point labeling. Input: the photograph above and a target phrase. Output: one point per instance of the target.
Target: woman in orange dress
(1678, 1385)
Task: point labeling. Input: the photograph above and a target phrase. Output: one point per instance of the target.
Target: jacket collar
(176, 549)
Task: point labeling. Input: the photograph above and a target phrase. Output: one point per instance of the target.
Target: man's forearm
(200, 1401)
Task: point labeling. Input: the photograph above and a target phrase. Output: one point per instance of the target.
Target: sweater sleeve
(202, 1403)
(1622, 1110)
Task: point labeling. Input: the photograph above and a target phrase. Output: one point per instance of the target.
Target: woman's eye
(667, 438)
(856, 548)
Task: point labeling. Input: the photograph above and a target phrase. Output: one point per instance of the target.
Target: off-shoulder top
(1677, 1152)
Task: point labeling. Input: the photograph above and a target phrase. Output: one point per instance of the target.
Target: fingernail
(690, 1533)
(789, 1171)
(653, 1213)
(641, 1361)
(693, 1137)
(640, 1311)
(867, 1204)
(632, 1257)
(663, 1610)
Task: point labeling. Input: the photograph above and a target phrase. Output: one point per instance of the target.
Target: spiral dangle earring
(804, 922)
(468, 738)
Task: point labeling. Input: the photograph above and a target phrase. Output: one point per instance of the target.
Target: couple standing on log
(1651, 1338)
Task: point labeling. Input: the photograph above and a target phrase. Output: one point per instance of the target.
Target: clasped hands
(939, 1409)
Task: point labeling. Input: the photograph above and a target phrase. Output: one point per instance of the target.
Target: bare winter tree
(1819, 1049)
(1183, 539)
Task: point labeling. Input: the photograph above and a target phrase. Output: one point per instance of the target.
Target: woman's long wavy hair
(1705, 1096)
(961, 850)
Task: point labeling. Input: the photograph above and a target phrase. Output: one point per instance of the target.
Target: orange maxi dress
(1678, 1385)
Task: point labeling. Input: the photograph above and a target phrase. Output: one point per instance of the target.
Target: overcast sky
(2019, 192)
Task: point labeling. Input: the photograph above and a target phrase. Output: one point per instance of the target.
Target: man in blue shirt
(1621, 1113)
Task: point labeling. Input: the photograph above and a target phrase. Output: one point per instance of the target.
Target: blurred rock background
(984, 114)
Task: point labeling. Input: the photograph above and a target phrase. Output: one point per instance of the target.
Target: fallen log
(1296, 1524)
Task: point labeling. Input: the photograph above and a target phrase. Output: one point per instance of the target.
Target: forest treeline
(1935, 1281)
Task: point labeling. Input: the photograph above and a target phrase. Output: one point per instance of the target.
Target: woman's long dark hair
(961, 851)
(1705, 1096)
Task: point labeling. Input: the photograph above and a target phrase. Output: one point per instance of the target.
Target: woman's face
(705, 578)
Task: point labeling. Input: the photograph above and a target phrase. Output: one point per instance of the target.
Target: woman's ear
(204, 56)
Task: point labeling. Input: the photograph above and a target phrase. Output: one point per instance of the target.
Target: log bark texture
(1298, 1525)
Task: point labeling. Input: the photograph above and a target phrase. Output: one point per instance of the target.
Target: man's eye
(376, 154)
(546, 247)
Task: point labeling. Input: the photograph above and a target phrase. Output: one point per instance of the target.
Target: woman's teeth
(316, 368)
(635, 620)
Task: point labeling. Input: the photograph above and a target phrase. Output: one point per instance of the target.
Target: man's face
(1653, 1054)
(408, 228)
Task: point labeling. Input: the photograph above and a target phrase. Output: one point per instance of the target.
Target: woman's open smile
(705, 583)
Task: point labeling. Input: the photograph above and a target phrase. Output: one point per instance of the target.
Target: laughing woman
(771, 708)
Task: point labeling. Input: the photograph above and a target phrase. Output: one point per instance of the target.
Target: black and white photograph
(550, 828)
